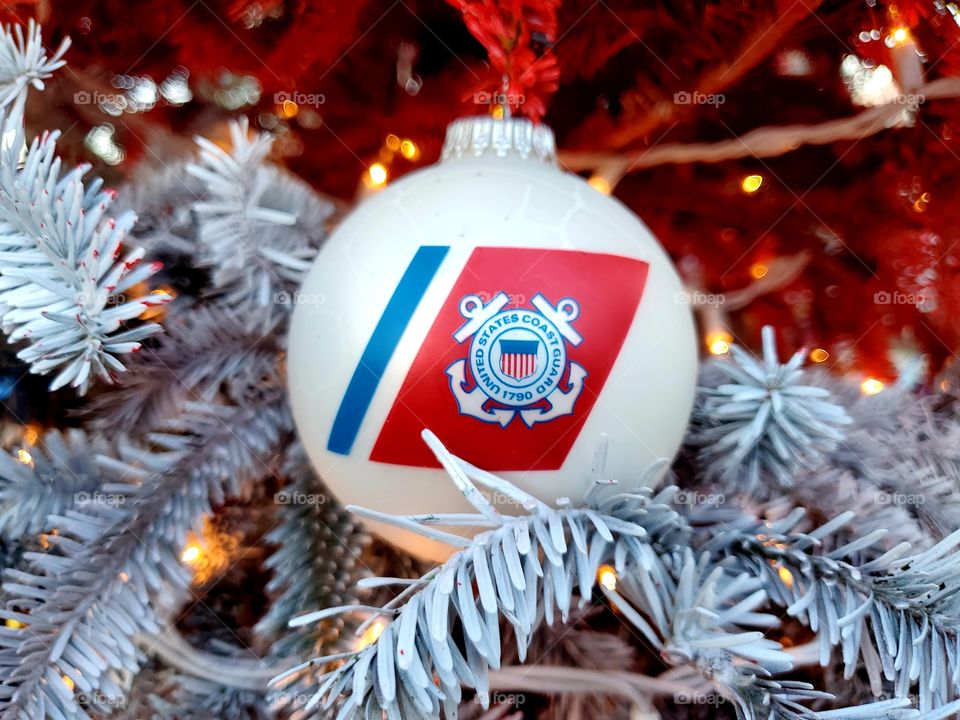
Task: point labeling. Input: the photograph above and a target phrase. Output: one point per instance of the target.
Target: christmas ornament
(507, 306)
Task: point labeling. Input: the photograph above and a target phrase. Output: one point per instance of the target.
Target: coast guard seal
(517, 358)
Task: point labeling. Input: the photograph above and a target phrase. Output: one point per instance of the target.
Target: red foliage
(508, 29)
(876, 216)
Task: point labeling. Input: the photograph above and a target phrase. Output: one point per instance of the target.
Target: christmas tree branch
(692, 609)
(207, 350)
(761, 142)
(62, 287)
(259, 227)
(897, 612)
(58, 474)
(81, 603)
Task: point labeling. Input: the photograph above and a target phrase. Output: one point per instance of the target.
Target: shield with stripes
(518, 358)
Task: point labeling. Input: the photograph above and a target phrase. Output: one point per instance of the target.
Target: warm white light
(371, 634)
(378, 174)
(190, 553)
(868, 84)
(751, 183)
(871, 386)
(600, 184)
(718, 343)
(409, 149)
(607, 577)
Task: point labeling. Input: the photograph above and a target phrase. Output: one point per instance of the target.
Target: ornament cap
(484, 135)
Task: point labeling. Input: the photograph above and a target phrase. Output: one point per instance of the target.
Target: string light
(900, 35)
(871, 386)
(758, 270)
(392, 142)
(409, 149)
(786, 577)
(45, 538)
(211, 551)
(31, 433)
(607, 577)
(68, 681)
(158, 311)
(24, 457)
(600, 184)
(718, 343)
(288, 109)
(14, 624)
(371, 634)
(377, 174)
(819, 355)
(751, 183)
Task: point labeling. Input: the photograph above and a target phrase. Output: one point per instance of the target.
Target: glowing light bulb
(68, 681)
(14, 624)
(607, 577)
(900, 35)
(718, 343)
(600, 184)
(378, 174)
(786, 577)
(190, 553)
(409, 149)
(371, 634)
(871, 386)
(288, 109)
(392, 142)
(751, 183)
(819, 355)
(758, 270)
(24, 457)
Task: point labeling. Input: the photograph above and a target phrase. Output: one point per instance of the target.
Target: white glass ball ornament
(505, 305)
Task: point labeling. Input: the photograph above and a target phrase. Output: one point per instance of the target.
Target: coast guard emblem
(515, 360)
(501, 368)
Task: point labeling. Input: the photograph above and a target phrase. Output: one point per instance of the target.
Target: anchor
(561, 403)
(471, 403)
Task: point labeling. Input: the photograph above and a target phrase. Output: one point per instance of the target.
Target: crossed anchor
(471, 402)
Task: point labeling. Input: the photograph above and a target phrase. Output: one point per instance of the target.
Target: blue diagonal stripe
(382, 343)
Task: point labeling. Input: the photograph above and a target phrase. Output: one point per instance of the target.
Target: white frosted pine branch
(63, 283)
(24, 63)
(259, 226)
